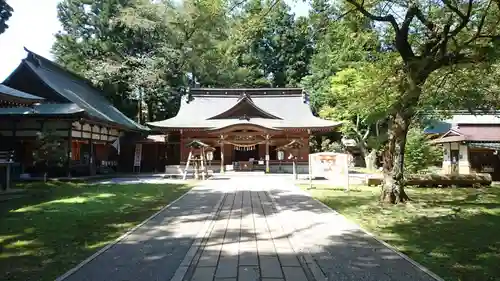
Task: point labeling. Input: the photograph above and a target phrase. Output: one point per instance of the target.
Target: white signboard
(138, 155)
(210, 156)
(281, 155)
(330, 165)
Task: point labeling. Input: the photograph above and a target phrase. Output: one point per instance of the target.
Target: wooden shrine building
(245, 126)
(72, 109)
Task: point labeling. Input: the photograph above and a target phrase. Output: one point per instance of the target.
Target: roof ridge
(79, 78)
(249, 91)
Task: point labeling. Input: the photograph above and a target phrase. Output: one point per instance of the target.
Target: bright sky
(34, 23)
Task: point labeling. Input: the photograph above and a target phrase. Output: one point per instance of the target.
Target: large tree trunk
(393, 188)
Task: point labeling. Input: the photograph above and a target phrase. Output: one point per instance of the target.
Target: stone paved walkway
(248, 229)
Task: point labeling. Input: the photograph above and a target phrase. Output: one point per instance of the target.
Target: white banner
(138, 155)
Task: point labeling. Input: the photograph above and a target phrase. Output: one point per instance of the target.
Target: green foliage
(147, 52)
(5, 14)
(49, 150)
(419, 153)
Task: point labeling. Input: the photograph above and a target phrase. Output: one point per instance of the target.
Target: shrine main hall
(246, 128)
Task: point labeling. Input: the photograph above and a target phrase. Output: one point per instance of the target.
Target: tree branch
(421, 17)
(465, 17)
(388, 18)
(365, 136)
(480, 26)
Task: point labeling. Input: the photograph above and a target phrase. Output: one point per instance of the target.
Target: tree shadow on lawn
(43, 234)
(460, 246)
(453, 232)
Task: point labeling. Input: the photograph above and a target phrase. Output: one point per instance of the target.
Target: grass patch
(61, 224)
(453, 232)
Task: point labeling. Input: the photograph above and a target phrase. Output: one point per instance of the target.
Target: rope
(245, 146)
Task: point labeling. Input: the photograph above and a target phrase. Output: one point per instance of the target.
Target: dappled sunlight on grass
(452, 231)
(44, 235)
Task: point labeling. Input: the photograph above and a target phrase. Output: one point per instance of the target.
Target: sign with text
(330, 165)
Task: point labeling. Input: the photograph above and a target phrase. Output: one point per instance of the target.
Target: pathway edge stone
(123, 236)
(371, 235)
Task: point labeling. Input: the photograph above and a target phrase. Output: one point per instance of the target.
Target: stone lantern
(209, 155)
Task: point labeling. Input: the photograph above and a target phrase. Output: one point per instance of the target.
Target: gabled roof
(69, 87)
(12, 95)
(246, 106)
(471, 133)
(280, 109)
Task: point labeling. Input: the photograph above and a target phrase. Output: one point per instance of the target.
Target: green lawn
(44, 235)
(453, 232)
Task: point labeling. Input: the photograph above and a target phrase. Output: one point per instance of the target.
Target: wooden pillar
(91, 152)
(163, 163)
(202, 163)
(222, 154)
(181, 147)
(187, 164)
(267, 154)
(70, 146)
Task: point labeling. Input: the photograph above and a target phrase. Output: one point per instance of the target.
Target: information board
(330, 165)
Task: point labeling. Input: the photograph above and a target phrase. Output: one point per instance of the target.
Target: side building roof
(11, 95)
(67, 87)
(442, 126)
(278, 108)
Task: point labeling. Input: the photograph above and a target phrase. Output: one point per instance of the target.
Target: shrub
(419, 153)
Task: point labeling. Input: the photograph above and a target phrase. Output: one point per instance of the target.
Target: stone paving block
(270, 267)
(208, 259)
(249, 258)
(282, 244)
(266, 247)
(248, 273)
(273, 279)
(227, 267)
(203, 274)
(294, 274)
(288, 259)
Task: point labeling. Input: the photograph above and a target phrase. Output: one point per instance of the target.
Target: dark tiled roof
(54, 109)
(289, 106)
(13, 95)
(78, 91)
(437, 127)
